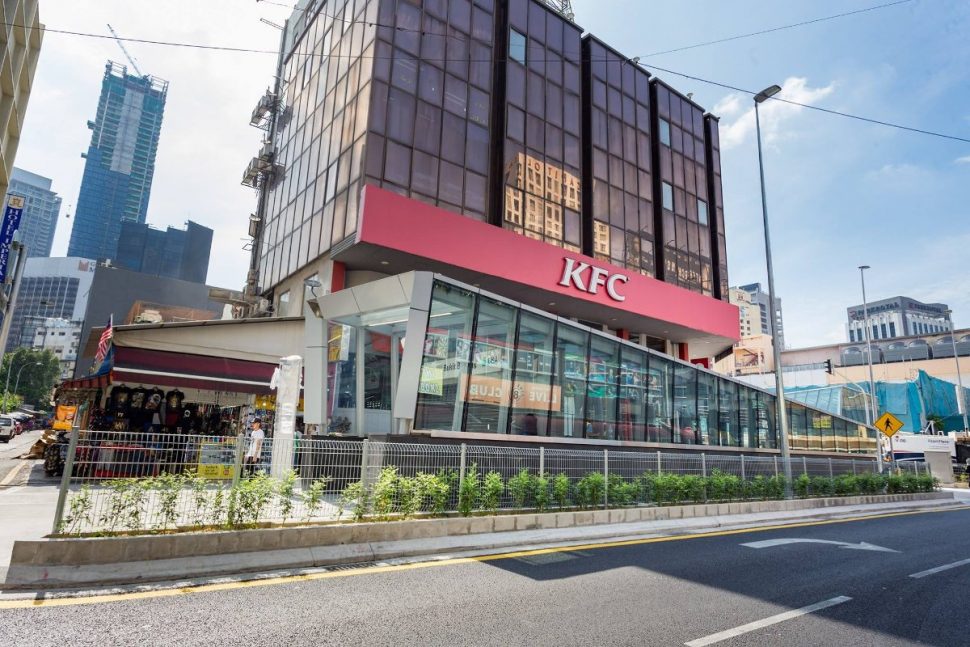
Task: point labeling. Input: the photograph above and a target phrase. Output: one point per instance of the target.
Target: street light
(775, 346)
(956, 358)
(6, 388)
(873, 403)
(17, 384)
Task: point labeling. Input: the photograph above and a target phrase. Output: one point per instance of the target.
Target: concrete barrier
(50, 563)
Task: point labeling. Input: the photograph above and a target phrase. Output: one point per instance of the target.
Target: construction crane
(131, 60)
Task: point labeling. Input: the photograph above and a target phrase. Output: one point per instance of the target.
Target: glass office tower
(500, 111)
(120, 161)
(41, 210)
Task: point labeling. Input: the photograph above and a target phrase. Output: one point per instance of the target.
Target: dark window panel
(456, 95)
(451, 184)
(428, 128)
(515, 85)
(453, 138)
(476, 151)
(515, 124)
(480, 71)
(460, 14)
(400, 116)
(424, 173)
(475, 192)
(482, 25)
(431, 84)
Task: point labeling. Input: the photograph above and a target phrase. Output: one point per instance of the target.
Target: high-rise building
(51, 288)
(749, 312)
(41, 210)
(175, 253)
(501, 112)
(20, 37)
(120, 161)
(768, 314)
(896, 317)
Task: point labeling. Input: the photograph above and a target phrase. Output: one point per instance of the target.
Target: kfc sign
(589, 278)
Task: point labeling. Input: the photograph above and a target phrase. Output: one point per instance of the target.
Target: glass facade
(42, 207)
(542, 187)
(683, 170)
(120, 162)
(491, 366)
(500, 112)
(619, 159)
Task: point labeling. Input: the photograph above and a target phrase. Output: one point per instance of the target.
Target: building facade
(51, 289)
(120, 161)
(21, 34)
(41, 211)
(896, 317)
(175, 253)
(768, 314)
(62, 338)
(537, 211)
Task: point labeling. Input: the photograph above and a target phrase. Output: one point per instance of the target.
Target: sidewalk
(26, 509)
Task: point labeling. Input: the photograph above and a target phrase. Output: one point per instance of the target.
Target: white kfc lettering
(572, 276)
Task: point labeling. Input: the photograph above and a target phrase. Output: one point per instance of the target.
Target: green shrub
(776, 487)
(927, 483)
(492, 489)
(621, 491)
(357, 498)
(846, 485)
(169, 487)
(468, 491)
(647, 487)
(668, 489)
(408, 496)
(284, 490)
(871, 483)
(312, 497)
(435, 491)
(722, 486)
(590, 490)
(894, 484)
(384, 493)
(693, 488)
(520, 486)
(822, 486)
(560, 490)
(802, 485)
(540, 492)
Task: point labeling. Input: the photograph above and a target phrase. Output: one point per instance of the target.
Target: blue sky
(840, 193)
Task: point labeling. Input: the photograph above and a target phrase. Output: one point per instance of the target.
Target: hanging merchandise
(119, 398)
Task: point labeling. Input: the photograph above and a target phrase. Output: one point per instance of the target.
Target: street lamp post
(17, 383)
(873, 402)
(956, 358)
(6, 387)
(781, 415)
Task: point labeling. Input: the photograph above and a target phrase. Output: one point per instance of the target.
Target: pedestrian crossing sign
(889, 424)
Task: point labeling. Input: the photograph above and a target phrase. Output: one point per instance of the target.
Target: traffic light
(828, 366)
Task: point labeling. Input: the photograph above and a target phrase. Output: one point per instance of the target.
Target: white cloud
(962, 160)
(773, 113)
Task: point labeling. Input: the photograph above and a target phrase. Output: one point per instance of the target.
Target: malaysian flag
(105, 341)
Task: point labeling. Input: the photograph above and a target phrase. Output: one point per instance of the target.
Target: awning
(139, 365)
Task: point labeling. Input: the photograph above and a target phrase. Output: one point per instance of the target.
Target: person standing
(255, 450)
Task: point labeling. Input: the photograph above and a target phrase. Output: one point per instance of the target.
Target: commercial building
(541, 215)
(20, 36)
(896, 317)
(120, 161)
(768, 315)
(175, 253)
(51, 288)
(42, 208)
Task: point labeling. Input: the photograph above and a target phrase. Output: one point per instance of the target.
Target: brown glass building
(499, 110)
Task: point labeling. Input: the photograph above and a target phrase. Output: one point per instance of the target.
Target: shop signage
(216, 460)
(64, 417)
(11, 222)
(496, 391)
(590, 278)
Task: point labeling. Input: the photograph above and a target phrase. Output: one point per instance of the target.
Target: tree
(40, 372)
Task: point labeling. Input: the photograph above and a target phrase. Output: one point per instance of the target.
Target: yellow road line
(368, 570)
(12, 474)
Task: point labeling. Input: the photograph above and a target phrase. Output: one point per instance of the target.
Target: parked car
(8, 428)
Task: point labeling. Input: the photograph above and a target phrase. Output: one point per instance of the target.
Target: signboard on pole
(888, 424)
(11, 222)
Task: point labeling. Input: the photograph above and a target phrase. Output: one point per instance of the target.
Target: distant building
(760, 298)
(41, 211)
(749, 312)
(896, 317)
(20, 37)
(120, 161)
(129, 296)
(175, 253)
(61, 337)
(51, 288)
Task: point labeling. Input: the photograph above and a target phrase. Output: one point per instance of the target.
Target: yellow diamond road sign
(889, 424)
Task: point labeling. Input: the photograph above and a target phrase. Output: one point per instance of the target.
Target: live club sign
(590, 278)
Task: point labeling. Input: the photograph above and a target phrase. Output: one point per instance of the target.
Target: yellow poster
(216, 460)
(64, 417)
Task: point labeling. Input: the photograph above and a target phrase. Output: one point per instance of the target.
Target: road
(671, 592)
(10, 453)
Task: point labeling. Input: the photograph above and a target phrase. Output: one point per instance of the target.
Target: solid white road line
(767, 622)
(12, 474)
(938, 569)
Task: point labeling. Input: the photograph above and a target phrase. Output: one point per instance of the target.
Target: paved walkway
(26, 508)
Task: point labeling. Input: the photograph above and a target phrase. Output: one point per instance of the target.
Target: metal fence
(121, 481)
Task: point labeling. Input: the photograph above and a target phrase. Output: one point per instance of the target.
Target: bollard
(461, 466)
(704, 465)
(742, 467)
(804, 465)
(542, 461)
(659, 471)
(65, 481)
(831, 473)
(364, 467)
(776, 465)
(237, 459)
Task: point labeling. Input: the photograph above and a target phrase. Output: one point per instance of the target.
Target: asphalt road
(662, 593)
(11, 451)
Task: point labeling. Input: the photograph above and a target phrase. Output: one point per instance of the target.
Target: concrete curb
(53, 563)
